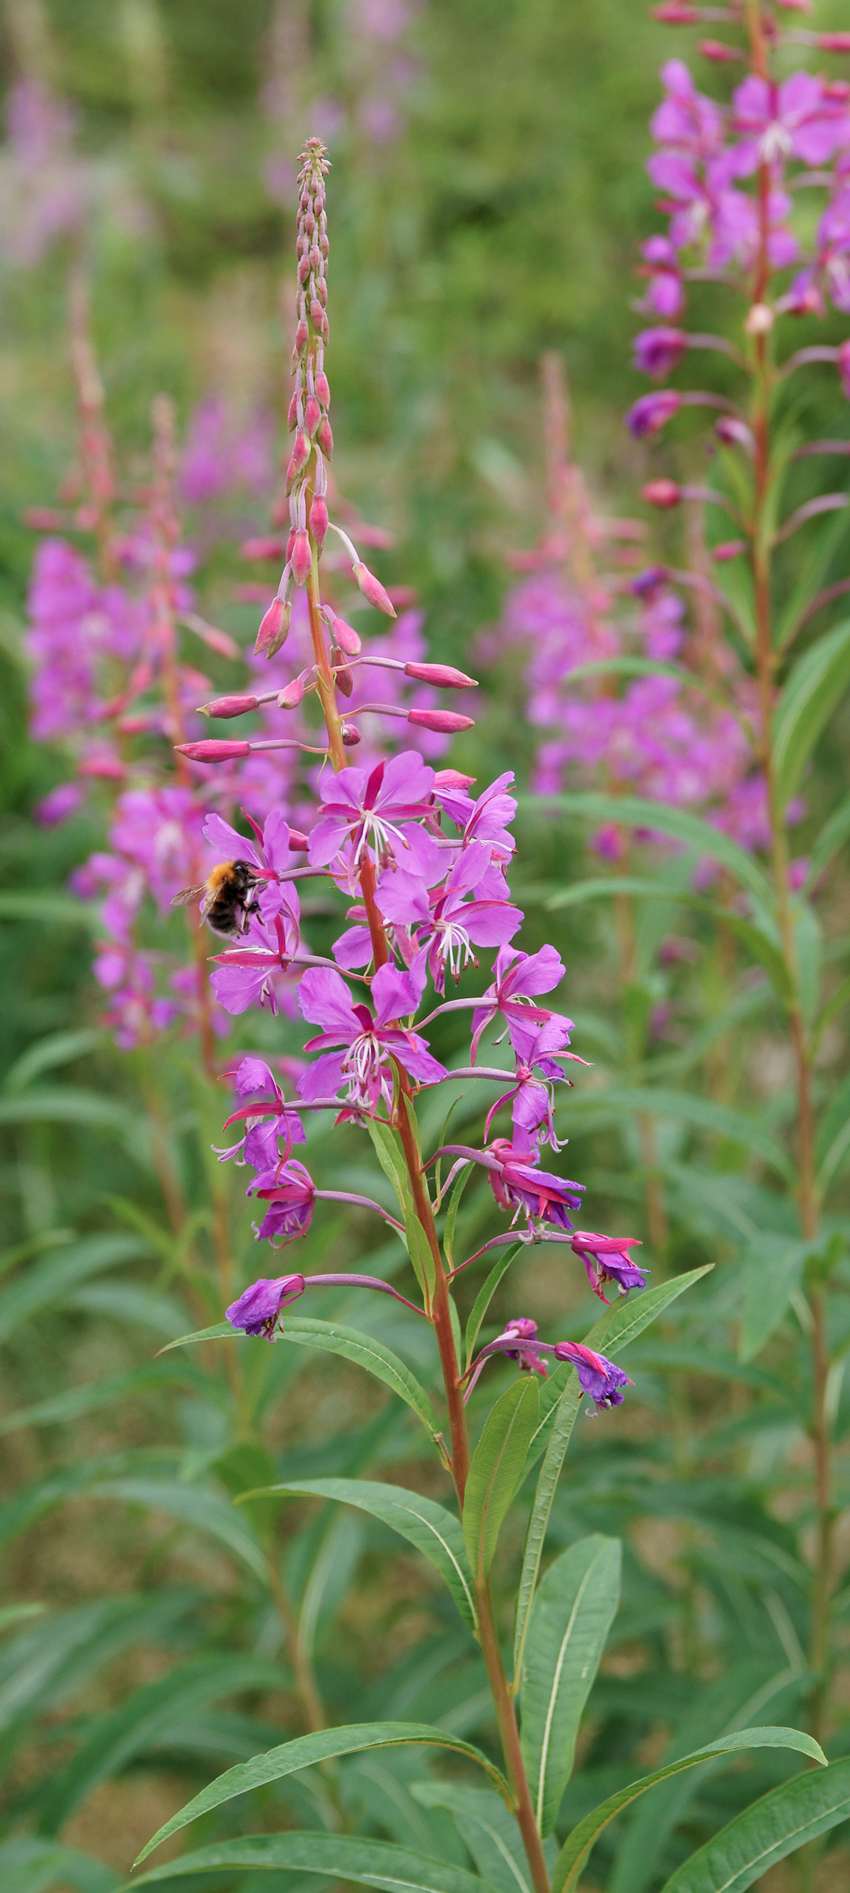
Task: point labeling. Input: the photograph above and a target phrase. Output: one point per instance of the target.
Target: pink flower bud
(291, 694)
(104, 767)
(350, 735)
(445, 722)
(297, 841)
(312, 414)
(674, 14)
(346, 637)
(319, 319)
(268, 548)
(323, 388)
(213, 750)
(661, 493)
(301, 335)
(298, 458)
(302, 556)
(228, 706)
(449, 779)
(443, 675)
(717, 50)
(833, 42)
(372, 588)
(290, 545)
(729, 549)
(325, 438)
(342, 675)
(319, 519)
(733, 432)
(292, 415)
(303, 268)
(274, 629)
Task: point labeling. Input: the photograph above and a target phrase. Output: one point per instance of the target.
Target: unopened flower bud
(312, 414)
(444, 676)
(302, 556)
(297, 841)
(717, 50)
(319, 519)
(298, 458)
(344, 679)
(346, 637)
(445, 722)
(213, 750)
(760, 319)
(228, 706)
(325, 438)
(452, 779)
(372, 588)
(672, 13)
(350, 735)
(323, 388)
(728, 549)
(301, 335)
(735, 433)
(661, 493)
(274, 629)
(650, 413)
(833, 42)
(291, 694)
(319, 319)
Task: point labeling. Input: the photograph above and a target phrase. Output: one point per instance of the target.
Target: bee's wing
(188, 896)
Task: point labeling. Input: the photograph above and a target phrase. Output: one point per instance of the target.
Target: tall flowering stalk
(424, 863)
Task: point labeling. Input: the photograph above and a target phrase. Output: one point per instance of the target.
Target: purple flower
(652, 412)
(257, 1308)
(265, 1119)
(599, 1377)
(518, 1184)
(796, 119)
(607, 1259)
(659, 351)
(665, 294)
(449, 924)
(517, 978)
(290, 1193)
(526, 1352)
(365, 1042)
(372, 811)
(539, 1048)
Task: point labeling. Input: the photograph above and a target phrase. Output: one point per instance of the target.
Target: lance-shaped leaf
(29, 1865)
(809, 696)
(574, 1853)
(498, 1463)
(563, 1421)
(306, 1749)
(330, 1337)
(377, 1863)
(424, 1523)
(572, 1615)
(774, 1827)
(489, 1831)
(630, 811)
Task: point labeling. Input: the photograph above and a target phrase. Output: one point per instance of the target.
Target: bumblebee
(227, 898)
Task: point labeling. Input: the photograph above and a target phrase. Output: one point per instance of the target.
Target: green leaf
(632, 1314)
(199, 1508)
(29, 1865)
(498, 1463)
(832, 837)
(570, 1620)
(771, 1272)
(13, 1614)
(815, 558)
(67, 1104)
(833, 1138)
(562, 1423)
(774, 1827)
(484, 1297)
(629, 811)
(377, 1863)
(55, 910)
(457, 1190)
(390, 1155)
(808, 698)
(143, 1720)
(683, 1107)
(576, 1849)
(425, 1524)
(60, 1048)
(50, 1283)
(307, 1749)
(489, 1831)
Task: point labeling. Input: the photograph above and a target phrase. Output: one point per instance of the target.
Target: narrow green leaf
(629, 811)
(684, 1108)
(307, 1749)
(771, 1271)
(632, 1314)
(832, 837)
(498, 1463)
(574, 1853)
(29, 1865)
(570, 1620)
(487, 1828)
(601, 886)
(833, 1138)
(13, 1614)
(808, 698)
(774, 1827)
(484, 1297)
(419, 1251)
(59, 1048)
(222, 1331)
(823, 539)
(457, 1190)
(425, 1524)
(563, 1421)
(388, 1150)
(49, 1284)
(55, 910)
(67, 1104)
(199, 1508)
(377, 1863)
(143, 1720)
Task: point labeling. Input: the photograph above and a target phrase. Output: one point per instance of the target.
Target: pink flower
(257, 1308)
(363, 1043)
(517, 978)
(290, 1193)
(797, 119)
(518, 1184)
(448, 924)
(599, 1377)
(373, 811)
(607, 1259)
(659, 351)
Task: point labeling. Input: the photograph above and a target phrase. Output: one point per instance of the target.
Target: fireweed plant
(422, 862)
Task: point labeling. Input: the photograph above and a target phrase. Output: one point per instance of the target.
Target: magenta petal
(395, 993)
(227, 842)
(323, 1078)
(324, 999)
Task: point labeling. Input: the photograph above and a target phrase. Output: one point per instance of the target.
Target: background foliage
(154, 1642)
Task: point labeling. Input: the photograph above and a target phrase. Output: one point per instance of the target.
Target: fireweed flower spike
(420, 858)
